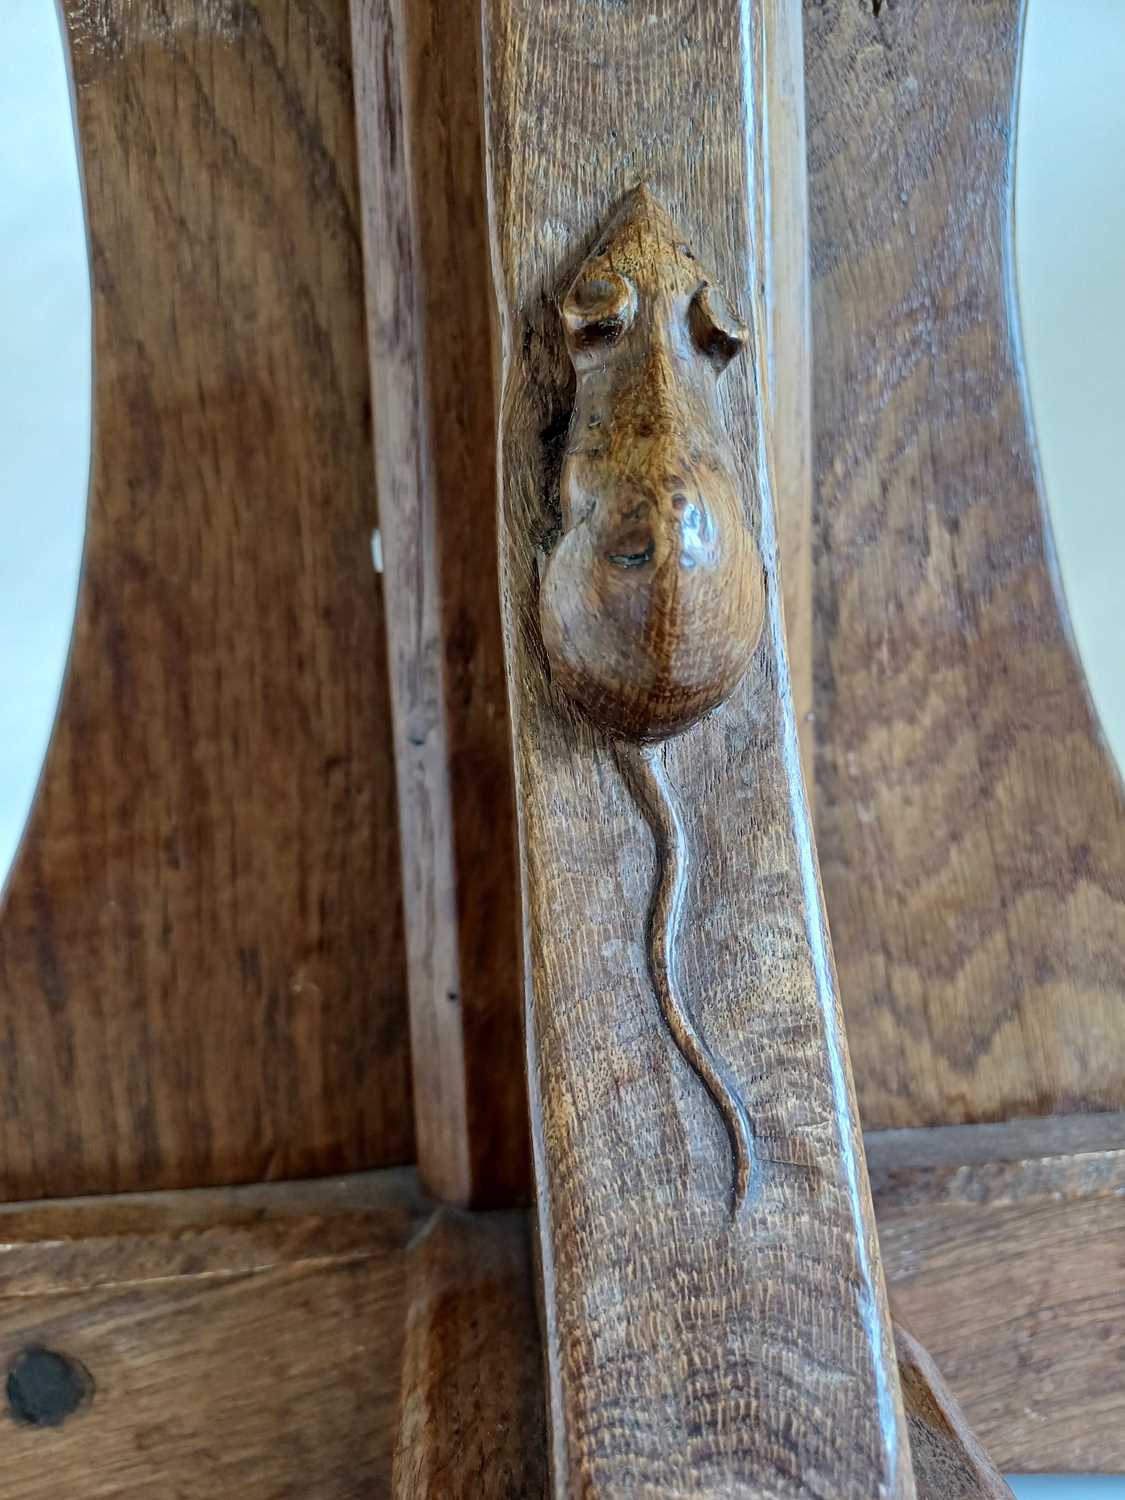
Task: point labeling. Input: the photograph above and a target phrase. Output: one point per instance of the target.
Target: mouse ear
(598, 309)
(716, 329)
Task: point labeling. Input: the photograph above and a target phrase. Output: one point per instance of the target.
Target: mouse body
(652, 601)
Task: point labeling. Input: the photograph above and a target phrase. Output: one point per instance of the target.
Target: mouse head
(653, 600)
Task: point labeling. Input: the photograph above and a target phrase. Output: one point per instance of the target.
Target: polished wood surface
(1003, 1247)
(201, 962)
(688, 1354)
(418, 122)
(970, 821)
(472, 1420)
(228, 1342)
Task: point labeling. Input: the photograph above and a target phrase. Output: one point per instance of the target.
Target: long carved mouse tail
(643, 769)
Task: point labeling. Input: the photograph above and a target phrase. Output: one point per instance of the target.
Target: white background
(44, 394)
(1070, 261)
(1070, 210)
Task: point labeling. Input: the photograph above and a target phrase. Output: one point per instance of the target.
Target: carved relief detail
(653, 600)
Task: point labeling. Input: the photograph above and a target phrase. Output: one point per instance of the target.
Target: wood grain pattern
(201, 948)
(418, 119)
(242, 1342)
(1008, 1267)
(248, 1341)
(472, 1419)
(971, 823)
(687, 1355)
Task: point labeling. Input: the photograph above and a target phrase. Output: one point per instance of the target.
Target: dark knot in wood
(45, 1387)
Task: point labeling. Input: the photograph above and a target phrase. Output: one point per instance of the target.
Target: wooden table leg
(705, 1335)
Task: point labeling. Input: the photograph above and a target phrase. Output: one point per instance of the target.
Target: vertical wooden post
(421, 177)
(699, 1342)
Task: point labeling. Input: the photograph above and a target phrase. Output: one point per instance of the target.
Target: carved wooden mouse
(652, 602)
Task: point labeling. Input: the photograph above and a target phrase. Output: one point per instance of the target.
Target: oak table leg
(700, 1341)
